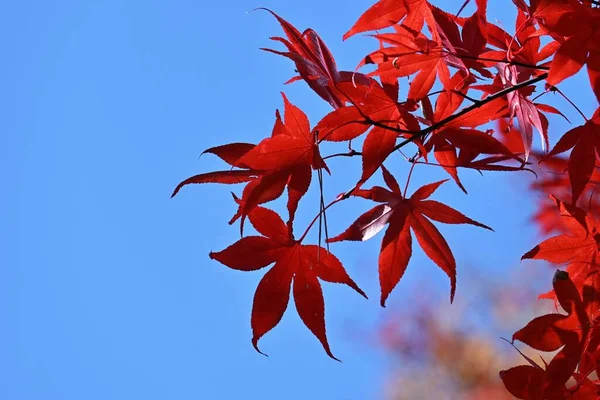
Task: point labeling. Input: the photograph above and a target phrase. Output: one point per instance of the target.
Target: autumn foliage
(472, 104)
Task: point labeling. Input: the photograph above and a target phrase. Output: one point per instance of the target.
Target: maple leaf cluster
(449, 129)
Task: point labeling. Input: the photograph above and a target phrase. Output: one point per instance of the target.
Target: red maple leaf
(229, 153)
(402, 215)
(585, 142)
(578, 245)
(411, 52)
(386, 13)
(550, 332)
(314, 62)
(523, 109)
(296, 264)
(575, 27)
(464, 48)
(285, 159)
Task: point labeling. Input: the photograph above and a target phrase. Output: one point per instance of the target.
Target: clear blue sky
(106, 288)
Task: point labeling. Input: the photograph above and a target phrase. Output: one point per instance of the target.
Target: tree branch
(466, 110)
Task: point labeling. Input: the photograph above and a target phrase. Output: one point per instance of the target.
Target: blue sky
(106, 288)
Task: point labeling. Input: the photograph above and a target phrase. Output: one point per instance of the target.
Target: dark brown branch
(466, 110)
(555, 89)
(451, 118)
(369, 121)
(465, 96)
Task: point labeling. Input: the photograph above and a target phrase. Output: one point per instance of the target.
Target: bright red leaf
(296, 264)
(400, 215)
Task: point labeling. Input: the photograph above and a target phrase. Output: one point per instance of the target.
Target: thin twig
(465, 96)
(412, 167)
(462, 7)
(351, 153)
(555, 89)
(466, 110)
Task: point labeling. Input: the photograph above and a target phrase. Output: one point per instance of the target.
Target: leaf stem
(351, 153)
(570, 102)
(337, 200)
(412, 166)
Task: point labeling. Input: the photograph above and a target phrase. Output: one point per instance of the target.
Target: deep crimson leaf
(314, 62)
(248, 254)
(568, 60)
(524, 381)
(402, 215)
(487, 112)
(267, 188)
(344, 123)
(390, 181)
(269, 224)
(310, 304)
(562, 249)
(396, 250)
(542, 333)
(295, 263)
(581, 165)
(367, 225)
(227, 177)
(378, 144)
(435, 246)
(328, 267)
(445, 154)
(447, 215)
(270, 301)
(298, 184)
(585, 141)
(278, 152)
(405, 58)
(427, 190)
(231, 152)
(380, 15)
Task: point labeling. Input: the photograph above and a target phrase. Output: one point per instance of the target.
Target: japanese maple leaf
(463, 48)
(285, 159)
(585, 142)
(550, 332)
(229, 153)
(522, 108)
(386, 13)
(314, 62)
(410, 53)
(402, 215)
(296, 266)
(523, 48)
(574, 25)
(579, 244)
(577, 24)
